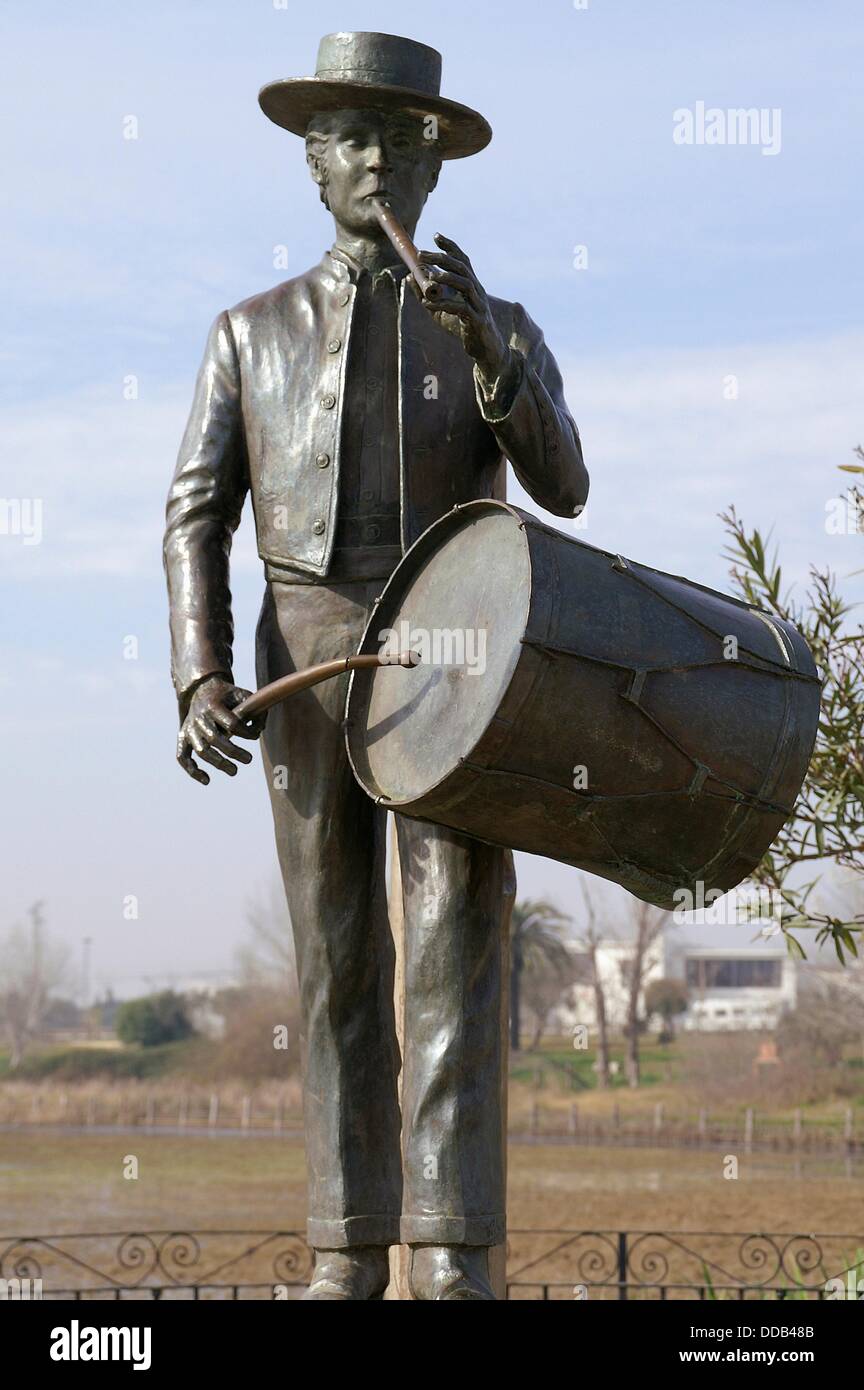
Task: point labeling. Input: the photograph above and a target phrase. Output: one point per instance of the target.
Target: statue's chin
(360, 222)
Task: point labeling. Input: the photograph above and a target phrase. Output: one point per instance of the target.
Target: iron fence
(542, 1265)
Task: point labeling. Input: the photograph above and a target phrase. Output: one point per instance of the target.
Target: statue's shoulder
(291, 296)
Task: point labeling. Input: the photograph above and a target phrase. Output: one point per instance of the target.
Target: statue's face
(372, 153)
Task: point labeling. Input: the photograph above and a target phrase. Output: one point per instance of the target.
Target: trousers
(433, 1174)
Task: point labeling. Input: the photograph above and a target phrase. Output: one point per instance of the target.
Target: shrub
(155, 1019)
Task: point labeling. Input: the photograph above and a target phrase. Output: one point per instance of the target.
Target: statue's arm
(526, 410)
(203, 511)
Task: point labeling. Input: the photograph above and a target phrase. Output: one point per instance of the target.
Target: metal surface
(542, 1264)
(283, 412)
(269, 403)
(382, 72)
(610, 727)
(270, 695)
(405, 248)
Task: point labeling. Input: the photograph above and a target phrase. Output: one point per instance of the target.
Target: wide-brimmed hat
(381, 71)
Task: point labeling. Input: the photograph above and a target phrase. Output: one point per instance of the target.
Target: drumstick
(278, 690)
(404, 247)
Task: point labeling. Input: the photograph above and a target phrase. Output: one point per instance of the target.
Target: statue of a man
(356, 414)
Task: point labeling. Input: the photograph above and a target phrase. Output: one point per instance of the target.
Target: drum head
(460, 598)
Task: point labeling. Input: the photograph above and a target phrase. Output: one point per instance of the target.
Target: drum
(574, 704)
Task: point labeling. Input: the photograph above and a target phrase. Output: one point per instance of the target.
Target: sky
(703, 301)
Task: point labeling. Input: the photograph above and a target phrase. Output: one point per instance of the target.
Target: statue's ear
(316, 166)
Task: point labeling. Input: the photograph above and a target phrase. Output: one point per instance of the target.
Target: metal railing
(542, 1265)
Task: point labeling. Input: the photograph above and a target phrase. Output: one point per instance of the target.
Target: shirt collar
(356, 271)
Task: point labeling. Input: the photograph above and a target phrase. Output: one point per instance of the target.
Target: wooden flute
(404, 247)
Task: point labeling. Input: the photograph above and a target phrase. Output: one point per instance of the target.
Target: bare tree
(30, 968)
(648, 924)
(828, 1018)
(268, 957)
(589, 941)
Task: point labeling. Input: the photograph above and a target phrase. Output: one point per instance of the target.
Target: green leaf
(793, 946)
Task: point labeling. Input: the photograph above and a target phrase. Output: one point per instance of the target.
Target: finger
(447, 262)
(224, 718)
(462, 283)
(250, 727)
(231, 750)
(453, 247)
(455, 305)
(209, 755)
(205, 726)
(188, 764)
(227, 720)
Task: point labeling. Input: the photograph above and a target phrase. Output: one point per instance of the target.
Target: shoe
(361, 1272)
(450, 1272)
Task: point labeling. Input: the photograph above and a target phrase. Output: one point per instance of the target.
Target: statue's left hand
(468, 314)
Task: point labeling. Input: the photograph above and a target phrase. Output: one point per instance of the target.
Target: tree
(668, 998)
(648, 923)
(827, 823)
(30, 967)
(589, 941)
(154, 1019)
(268, 957)
(536, 946)
(544, 983)
(826, 1020)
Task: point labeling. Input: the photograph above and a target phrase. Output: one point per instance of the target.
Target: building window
(731, 973)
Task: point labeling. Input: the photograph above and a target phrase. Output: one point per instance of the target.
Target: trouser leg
(452, 1099)
(330, 839)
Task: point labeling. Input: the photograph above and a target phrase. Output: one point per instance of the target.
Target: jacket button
(323, 460)
(344, 299)
(318, 527)
(328, 402)
(334, 345)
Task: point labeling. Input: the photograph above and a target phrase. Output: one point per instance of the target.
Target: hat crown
(379, 59)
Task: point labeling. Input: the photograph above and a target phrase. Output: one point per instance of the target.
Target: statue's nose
(376, 159)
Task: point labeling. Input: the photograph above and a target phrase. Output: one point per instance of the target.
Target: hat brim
(292, 102)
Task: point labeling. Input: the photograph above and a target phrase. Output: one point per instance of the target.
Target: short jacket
(266, 419)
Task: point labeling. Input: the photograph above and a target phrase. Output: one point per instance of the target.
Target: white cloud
(665, 450)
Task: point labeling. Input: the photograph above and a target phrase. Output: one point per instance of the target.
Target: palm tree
(536, 942)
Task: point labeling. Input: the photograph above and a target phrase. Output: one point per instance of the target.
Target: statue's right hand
(209, 722)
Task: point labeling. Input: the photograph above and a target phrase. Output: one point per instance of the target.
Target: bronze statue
(357, 409)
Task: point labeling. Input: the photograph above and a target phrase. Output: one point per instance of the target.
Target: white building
(747, 987)
(735, 990)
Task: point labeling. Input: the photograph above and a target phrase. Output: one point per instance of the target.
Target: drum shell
(654, 732)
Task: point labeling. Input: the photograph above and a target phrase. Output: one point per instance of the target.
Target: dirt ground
(58, 1183)
(54, 1182)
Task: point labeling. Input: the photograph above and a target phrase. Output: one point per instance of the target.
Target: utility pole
(86, 943)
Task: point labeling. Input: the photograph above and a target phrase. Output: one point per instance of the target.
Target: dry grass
(65, 1183)
(56, 1182)
(159, 1102)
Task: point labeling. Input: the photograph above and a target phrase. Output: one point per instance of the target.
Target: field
(71, 1186)
(55, 1182)
(97, 1141)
